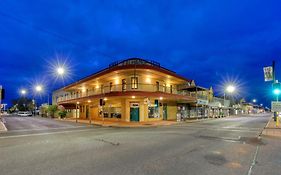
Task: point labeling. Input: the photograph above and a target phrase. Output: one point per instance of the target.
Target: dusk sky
(212, 42)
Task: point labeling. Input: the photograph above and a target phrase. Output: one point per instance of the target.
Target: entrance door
(134, 112)
(87, 112)
(165, 115)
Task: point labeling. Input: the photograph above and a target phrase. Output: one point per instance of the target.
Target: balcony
(102, 90)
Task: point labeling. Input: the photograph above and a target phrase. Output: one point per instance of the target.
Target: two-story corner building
(130, 90)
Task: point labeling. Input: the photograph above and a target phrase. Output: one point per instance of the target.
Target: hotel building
(133, 90)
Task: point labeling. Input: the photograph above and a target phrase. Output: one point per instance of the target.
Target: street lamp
(38, 88)
(23, 92)
(230, 89)
(60, 71)
(254, 100)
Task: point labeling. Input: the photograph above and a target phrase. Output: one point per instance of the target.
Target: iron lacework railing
(70, 95)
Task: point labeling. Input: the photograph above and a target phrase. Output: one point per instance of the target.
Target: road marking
(46, 133)
(46, 129)
(218, 129)
(254, 161)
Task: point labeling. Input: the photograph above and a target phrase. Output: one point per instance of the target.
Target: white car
(24, 114)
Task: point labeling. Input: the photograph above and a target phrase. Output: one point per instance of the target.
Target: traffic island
(2, 125)
(272, 129)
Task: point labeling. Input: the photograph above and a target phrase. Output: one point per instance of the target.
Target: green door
(134, 114)
(165, 115)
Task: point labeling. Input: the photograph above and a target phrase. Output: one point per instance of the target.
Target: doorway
(134, 112)
(87, 111)
(165, 114)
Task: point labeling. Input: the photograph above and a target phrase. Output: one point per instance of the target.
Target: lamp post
(229, 89)
(38, 89)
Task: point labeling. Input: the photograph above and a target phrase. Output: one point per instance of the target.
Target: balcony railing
(69, 95)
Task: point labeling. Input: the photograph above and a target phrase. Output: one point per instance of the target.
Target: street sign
(268, 73)
(275, 106)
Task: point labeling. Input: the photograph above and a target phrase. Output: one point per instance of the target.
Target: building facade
(133, 90)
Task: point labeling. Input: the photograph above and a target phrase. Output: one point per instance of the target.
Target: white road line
(46, 129)
(218, 129)
(41, 134)
(254, 161)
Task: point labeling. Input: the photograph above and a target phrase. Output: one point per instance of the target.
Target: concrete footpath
(2, 125)
(123, 124)
(271, 129)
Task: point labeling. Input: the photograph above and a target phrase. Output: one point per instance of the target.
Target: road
(222, 146)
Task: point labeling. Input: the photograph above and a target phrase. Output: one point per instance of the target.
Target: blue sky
(211, 42)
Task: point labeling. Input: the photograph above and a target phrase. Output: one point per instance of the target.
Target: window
(171, 89)
(110, 86)
(157, 86)
(153, 112)
(124, 85)
(134, 82)
(164, 88)
(101, 88)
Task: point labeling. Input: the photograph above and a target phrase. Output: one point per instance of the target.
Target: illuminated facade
(133, 90)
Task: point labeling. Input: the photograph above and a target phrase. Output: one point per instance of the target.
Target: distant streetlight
(38, 88)
(254, 100)
(23, 92)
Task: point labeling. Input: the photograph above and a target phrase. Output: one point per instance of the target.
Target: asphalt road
(214, 147)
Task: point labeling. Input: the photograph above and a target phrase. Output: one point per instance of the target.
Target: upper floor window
(102, 89)
(110, 86)
(157, 86)
(124, 85)
(171, 89)
(164, 88)
(134, 82)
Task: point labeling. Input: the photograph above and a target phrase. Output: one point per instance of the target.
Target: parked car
(24, 113)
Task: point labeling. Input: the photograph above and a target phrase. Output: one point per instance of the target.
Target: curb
(2, 126)
(261, 133)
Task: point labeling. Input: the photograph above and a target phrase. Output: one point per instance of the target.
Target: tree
(62, 112)
(52, 109)
(23, 104)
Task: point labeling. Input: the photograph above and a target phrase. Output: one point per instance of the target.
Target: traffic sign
(275, 106)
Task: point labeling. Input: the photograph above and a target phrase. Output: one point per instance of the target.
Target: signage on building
(134, 105)
(275, 106)
(202, 102)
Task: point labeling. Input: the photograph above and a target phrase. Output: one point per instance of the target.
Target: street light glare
(254, 100)
(230, 89)
(38, 88)
(23, 92)
(60, 70)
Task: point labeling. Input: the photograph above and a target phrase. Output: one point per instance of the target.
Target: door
(134, 112)
(165, 115)
(87, 112)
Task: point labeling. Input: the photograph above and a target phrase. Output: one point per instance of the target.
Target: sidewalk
(2, 125)
(124, 124)
(271, 129)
